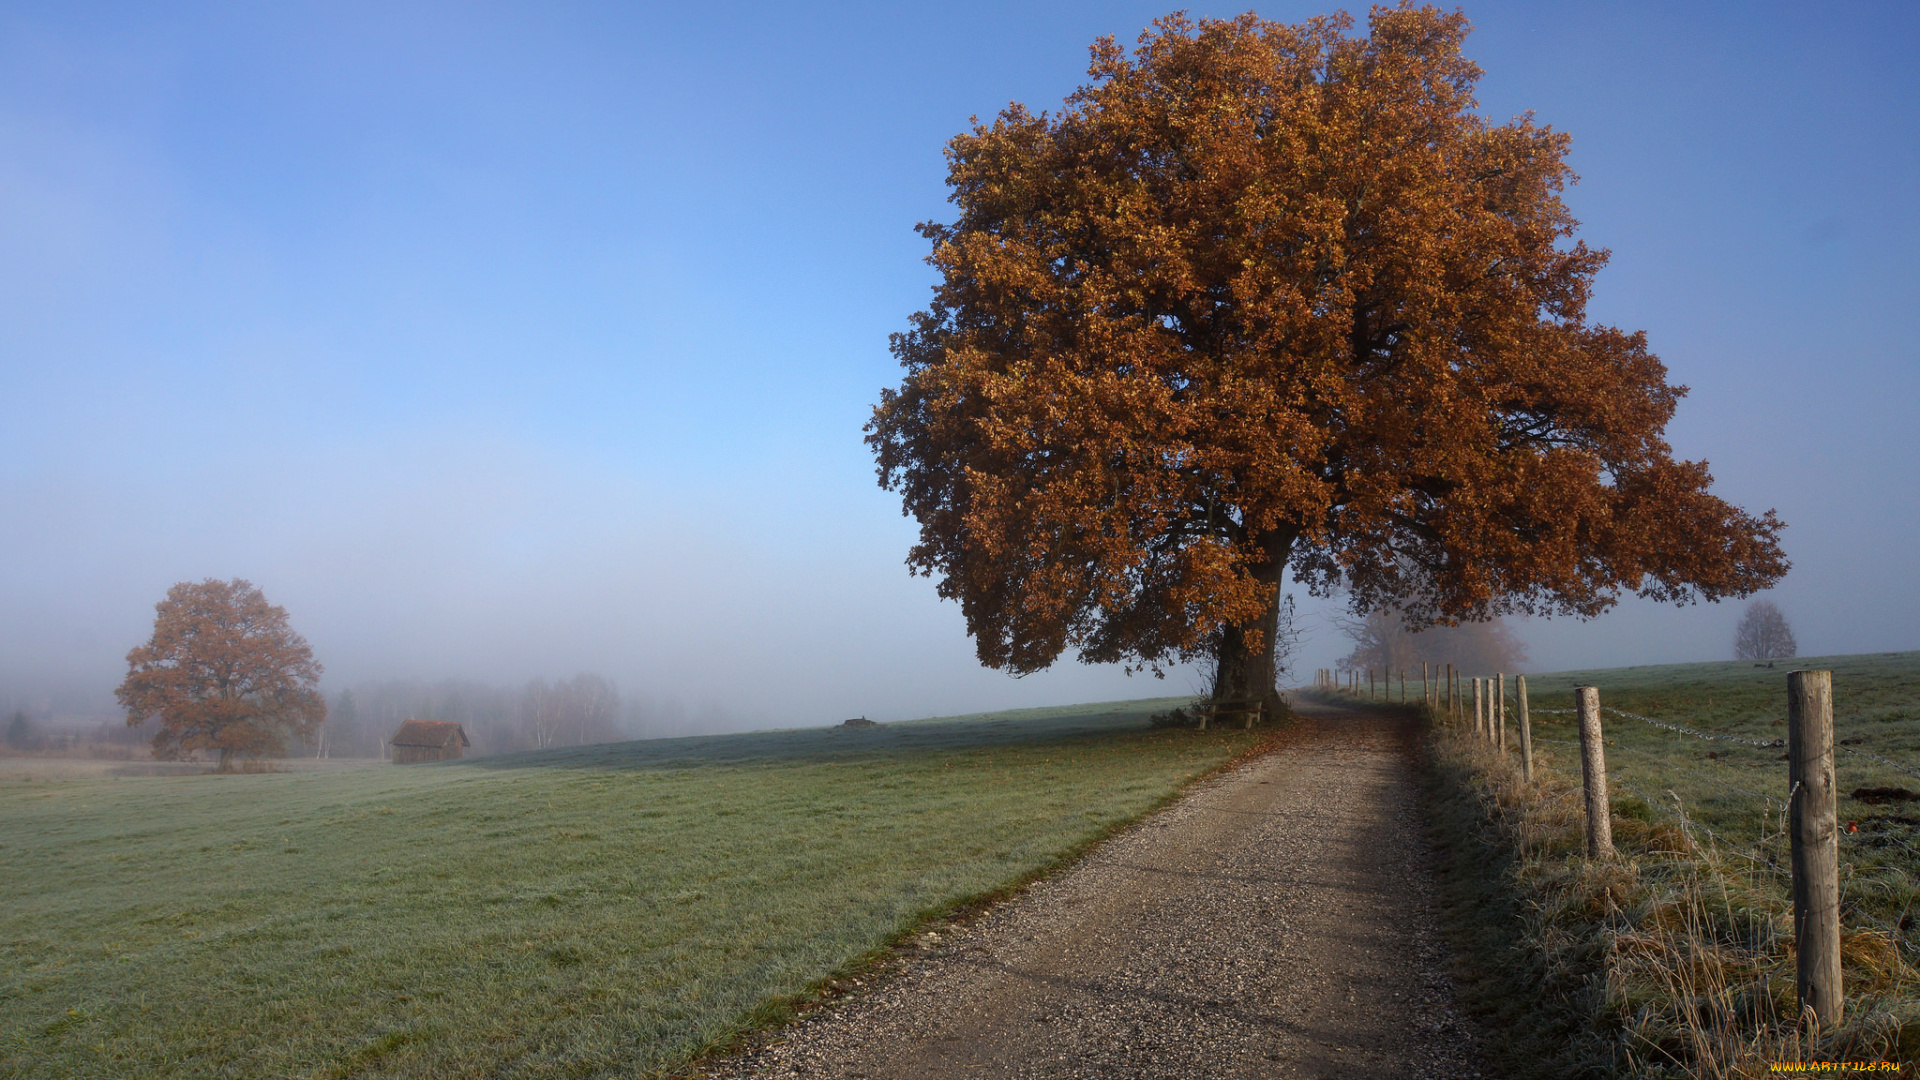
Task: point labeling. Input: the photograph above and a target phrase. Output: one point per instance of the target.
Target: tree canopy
(223, 672)
(1263, 295)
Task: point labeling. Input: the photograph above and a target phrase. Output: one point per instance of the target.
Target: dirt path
(1278, 922)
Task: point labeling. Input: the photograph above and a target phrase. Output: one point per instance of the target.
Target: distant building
(428, 740)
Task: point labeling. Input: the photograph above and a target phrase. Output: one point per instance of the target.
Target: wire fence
(1882, 850)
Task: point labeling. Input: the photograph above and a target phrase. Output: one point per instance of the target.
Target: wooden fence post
(1526, 731)
(1814, 828)
(1593, 775)
(1500, 709)
(1452, 712)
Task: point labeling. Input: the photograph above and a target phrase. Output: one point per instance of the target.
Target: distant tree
(20, 733)
(543, 710)
(1763, 634)
(1262, 297)
(1287, 638)
(1384, 641)
(223, 672)
(595, 709)
(572, 712)
(340, 730)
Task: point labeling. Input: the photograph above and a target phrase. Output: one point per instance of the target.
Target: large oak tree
(224, 673)
(1262, 296)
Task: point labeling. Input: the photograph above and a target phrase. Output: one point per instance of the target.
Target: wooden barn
(428, 740)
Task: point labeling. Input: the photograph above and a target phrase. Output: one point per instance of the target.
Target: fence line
(1750, 852)
(1762, 744)
(1774, 744)
(1754, 852)
(1694, 770)
(1818, 880)
(1878, 758)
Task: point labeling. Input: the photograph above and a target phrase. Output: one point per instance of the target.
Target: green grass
(1675, 958)
(581, 912)
(1737, 790)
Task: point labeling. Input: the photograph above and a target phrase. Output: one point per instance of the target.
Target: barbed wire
(1755, 853)
(1881, 760)
(1679, 766)
(1750, 852)
(1868, 854)
(1772, 744)
(1765, 745)
(1697, 770)
(1771, 800)
(1901, 844)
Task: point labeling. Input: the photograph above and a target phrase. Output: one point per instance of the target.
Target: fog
(504, 343)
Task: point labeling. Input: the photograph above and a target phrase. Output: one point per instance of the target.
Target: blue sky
(505, 340)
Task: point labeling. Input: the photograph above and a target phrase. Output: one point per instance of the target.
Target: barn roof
(437, 734)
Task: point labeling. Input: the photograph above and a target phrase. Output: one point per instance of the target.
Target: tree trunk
(1244, 668)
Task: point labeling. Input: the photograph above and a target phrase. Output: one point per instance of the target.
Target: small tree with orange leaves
(1264, 295)
(223, 672)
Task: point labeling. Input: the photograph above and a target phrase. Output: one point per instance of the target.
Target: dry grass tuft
(1673, 959)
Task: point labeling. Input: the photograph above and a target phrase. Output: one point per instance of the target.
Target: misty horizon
(518, 343)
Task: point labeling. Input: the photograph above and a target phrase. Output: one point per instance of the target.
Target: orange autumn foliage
(223, 672)
(1264, 295)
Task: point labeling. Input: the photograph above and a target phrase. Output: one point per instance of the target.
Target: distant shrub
(1174, 718)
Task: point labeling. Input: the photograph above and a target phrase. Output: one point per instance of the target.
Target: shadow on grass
(1019, 727)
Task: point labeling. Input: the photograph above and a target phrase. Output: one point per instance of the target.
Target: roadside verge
(1671, 959)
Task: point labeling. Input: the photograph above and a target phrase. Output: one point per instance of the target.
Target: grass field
(583, 912)
(1676, 958)
(1737, 790)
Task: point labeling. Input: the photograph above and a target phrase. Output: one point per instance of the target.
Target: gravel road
(1277, 922)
